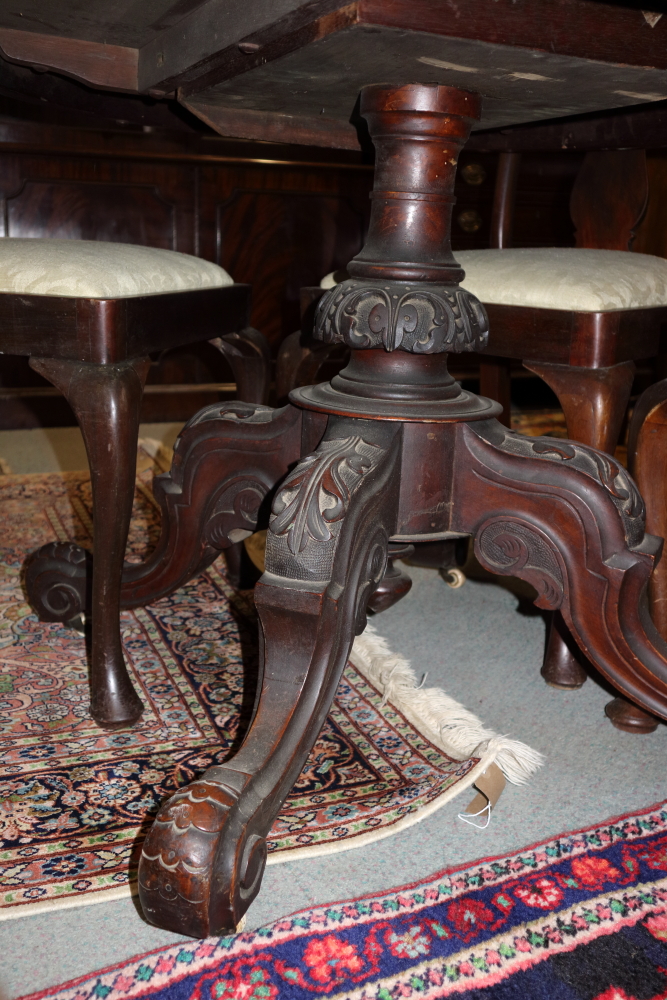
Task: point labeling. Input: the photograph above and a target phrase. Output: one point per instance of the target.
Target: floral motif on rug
(76, 801)
(580, 917)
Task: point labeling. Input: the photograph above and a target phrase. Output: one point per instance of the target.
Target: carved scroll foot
(106, 400)
(203, 859)
(630, 718)
(226, 461)
(561, 667)
(570, 521)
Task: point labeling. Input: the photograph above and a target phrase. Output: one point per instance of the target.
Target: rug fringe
(443, 720)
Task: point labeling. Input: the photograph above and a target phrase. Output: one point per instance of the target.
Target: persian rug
(579, 917)
(76, 801)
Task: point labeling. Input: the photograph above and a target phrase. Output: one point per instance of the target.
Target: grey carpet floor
(478, 644)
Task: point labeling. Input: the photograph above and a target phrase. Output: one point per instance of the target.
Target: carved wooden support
(407, 455)
(106, 400)
(576, 533)
(594, 402)
(564, 517)
(203, 860)
(209, 500)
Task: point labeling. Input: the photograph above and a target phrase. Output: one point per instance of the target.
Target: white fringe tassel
(440, 718)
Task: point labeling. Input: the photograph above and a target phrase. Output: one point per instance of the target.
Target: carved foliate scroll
(315, 497)
(421, 319)
(596, 464)
(509, 547)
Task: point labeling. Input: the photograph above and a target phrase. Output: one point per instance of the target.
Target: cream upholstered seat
(559, 278)
(98, 270)
(565, 278)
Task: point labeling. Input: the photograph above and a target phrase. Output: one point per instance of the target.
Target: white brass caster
(454, 578)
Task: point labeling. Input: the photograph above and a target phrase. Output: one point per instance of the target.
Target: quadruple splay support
(391, 450)
(395, 450)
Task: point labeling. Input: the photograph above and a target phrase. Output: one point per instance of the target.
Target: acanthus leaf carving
(252, 413)
(318, 492)
(509, 547)
(596, 464)
(420, 319)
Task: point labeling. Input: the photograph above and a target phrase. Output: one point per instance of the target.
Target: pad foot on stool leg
(630, 718)
(395, 583)
(106, 399)
(561, 667)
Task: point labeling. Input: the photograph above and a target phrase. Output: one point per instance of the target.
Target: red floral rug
(76, 801)
(580, 917)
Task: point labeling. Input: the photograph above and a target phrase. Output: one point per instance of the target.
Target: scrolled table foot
(57, 579)
(395, 583)
(203, 859)
(570, 521)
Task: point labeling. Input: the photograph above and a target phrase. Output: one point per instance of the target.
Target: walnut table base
(392, 451)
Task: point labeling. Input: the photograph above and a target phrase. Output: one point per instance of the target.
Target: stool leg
(594, 401)
(248, 355)
(495, 382)
(561, 667)
(630, 718)
(106, 400)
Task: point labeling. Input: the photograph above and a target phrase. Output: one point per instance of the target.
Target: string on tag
(489, 785)
(470, 817)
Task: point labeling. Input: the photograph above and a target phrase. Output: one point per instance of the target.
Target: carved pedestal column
(394, 451)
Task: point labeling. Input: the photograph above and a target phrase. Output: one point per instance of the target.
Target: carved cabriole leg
(594, 401)
(249, 357)
(226, 460)
(106, 400)
(570, 521)
(203, 860)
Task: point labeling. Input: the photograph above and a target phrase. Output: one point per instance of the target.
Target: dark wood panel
(86, 210)
(281, 229)
(152, 204)
(281, 241)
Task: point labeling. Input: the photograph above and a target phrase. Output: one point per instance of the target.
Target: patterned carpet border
(75, 801)
(563, 911)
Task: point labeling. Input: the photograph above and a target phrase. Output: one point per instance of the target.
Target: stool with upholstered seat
(88, 314)
(579, 318)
